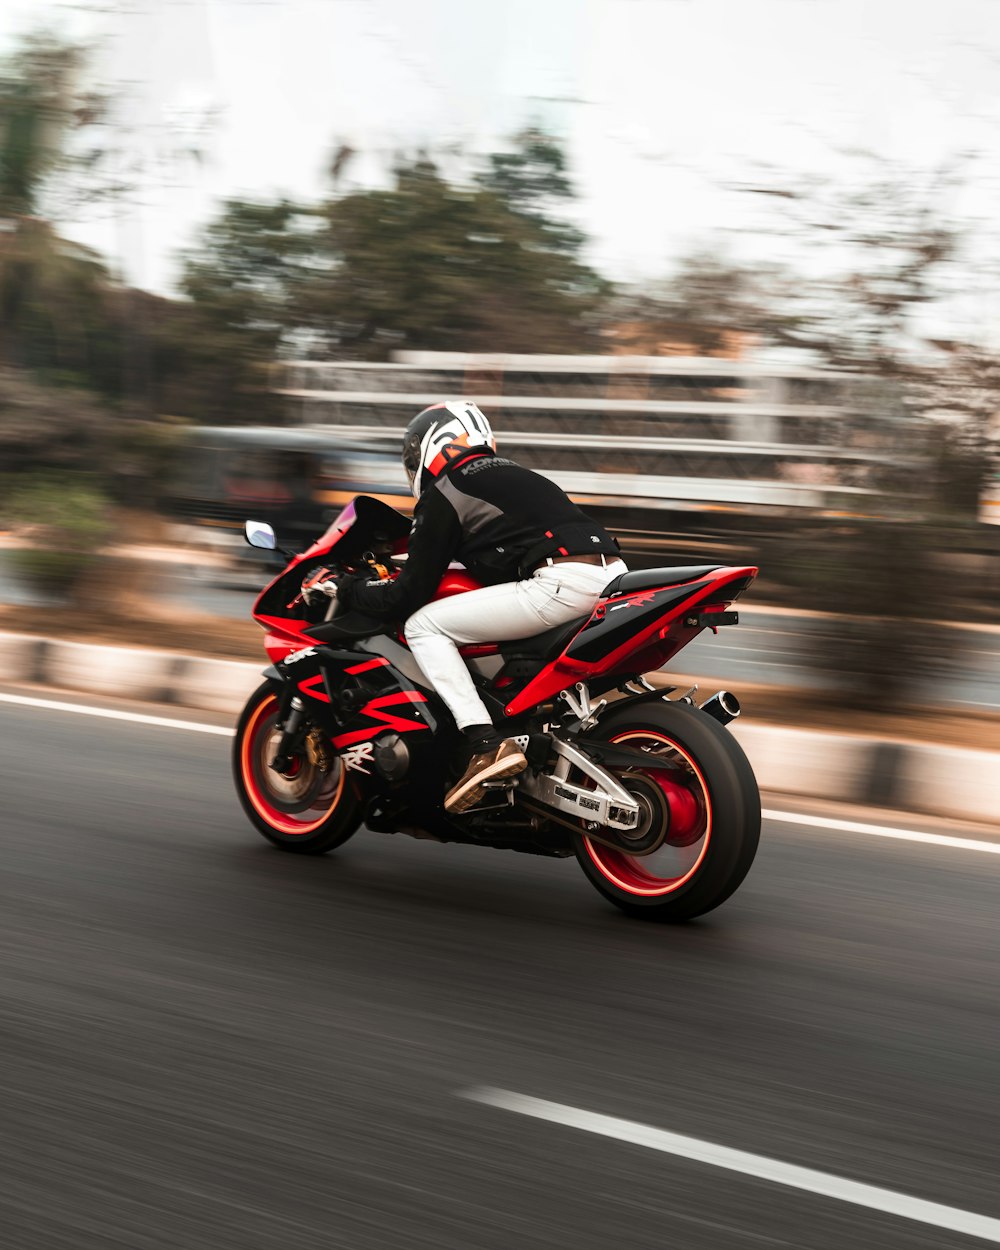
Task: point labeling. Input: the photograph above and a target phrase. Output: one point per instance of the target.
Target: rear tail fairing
(633, 633)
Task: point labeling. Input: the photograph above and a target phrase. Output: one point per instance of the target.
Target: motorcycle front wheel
(699, 814)
(312, 807)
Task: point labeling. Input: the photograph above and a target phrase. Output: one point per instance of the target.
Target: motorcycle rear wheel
(307, 811)
(699, 804)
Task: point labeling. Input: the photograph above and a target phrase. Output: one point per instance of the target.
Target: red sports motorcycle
(652, 794)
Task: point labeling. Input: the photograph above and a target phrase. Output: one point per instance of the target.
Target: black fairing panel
(606, 633)
(336, 698)
(347, 627)
(649, 579)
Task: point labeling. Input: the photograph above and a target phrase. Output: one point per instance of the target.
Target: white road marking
(82, 709)
(791, 818)
(884, 831)
(692, 1148)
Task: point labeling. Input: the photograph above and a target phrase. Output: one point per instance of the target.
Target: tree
(428, 264)
(710, 297)
(532, 181)
(251, 282)
(51, 290)
(38, 107)
(249, 271)
(892, 250)
(877, 246)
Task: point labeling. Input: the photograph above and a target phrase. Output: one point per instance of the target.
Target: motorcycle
(649, 792)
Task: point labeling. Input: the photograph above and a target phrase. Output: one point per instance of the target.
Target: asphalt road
(206, 1043)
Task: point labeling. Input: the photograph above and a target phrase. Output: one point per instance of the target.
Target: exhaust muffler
(722, 707)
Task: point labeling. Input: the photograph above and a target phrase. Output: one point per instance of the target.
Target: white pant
(554, 595)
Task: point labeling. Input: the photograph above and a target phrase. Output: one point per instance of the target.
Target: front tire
(699, 806)
(308, 811)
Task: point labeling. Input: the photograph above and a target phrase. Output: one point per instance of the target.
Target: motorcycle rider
(541, 560)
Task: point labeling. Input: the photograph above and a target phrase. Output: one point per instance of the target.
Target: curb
(880, 772)
(194, 681)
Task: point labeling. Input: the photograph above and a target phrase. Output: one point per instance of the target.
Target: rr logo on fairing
(637, 601)
(356, 757)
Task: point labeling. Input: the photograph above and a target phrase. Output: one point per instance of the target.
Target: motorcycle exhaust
(722, 707)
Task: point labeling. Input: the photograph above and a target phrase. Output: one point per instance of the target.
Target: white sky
(662, 102)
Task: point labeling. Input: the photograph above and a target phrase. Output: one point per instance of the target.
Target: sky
(664, 105)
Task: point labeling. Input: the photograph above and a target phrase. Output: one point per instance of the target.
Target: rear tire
(704, 795)
(308, 812)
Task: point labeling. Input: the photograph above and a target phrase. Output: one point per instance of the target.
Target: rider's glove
(315, 591)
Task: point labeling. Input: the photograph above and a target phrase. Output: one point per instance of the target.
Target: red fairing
(284, 635)
(456, 582)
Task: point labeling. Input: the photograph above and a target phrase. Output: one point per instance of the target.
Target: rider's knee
(418, 626)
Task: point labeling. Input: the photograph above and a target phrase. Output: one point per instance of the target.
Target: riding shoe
(494, 763)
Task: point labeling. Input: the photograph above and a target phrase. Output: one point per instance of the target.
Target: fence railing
(671, 432)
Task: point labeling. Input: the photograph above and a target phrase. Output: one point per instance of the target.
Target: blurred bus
(296, 480)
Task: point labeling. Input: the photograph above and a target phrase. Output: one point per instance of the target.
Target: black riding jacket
(498, 519)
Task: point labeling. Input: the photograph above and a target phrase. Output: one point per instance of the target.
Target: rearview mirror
(260, 534)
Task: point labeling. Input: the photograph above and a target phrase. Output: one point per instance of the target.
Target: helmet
(438, 436)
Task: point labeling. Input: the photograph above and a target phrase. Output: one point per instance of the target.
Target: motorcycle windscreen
(371, 524)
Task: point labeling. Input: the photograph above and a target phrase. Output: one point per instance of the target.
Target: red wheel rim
(255, 752)
(670, 867)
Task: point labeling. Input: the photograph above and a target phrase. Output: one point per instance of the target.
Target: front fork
(291, 716)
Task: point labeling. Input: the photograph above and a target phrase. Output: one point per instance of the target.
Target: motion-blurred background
(740, 296)
(728, 271)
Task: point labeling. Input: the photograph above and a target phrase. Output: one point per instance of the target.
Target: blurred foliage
(39, 104)
(67, 520)
(41, 425)
(250, 270)
(52, 304)
(432, 265)
(426, 264)
(63, 429)
(532, 180)
(881, 242)
(959, 396)
(63, 316)
(885, 251)
(706, 296)
(885, 590)
(98, 378)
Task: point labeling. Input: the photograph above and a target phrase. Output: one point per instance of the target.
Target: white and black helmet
(440, 435)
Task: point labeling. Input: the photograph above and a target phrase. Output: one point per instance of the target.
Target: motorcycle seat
(650, 579)
(542, 646)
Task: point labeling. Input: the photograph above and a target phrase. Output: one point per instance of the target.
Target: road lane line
(884, 831)
(789, 1174)
(793, 818)
(83, 709)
